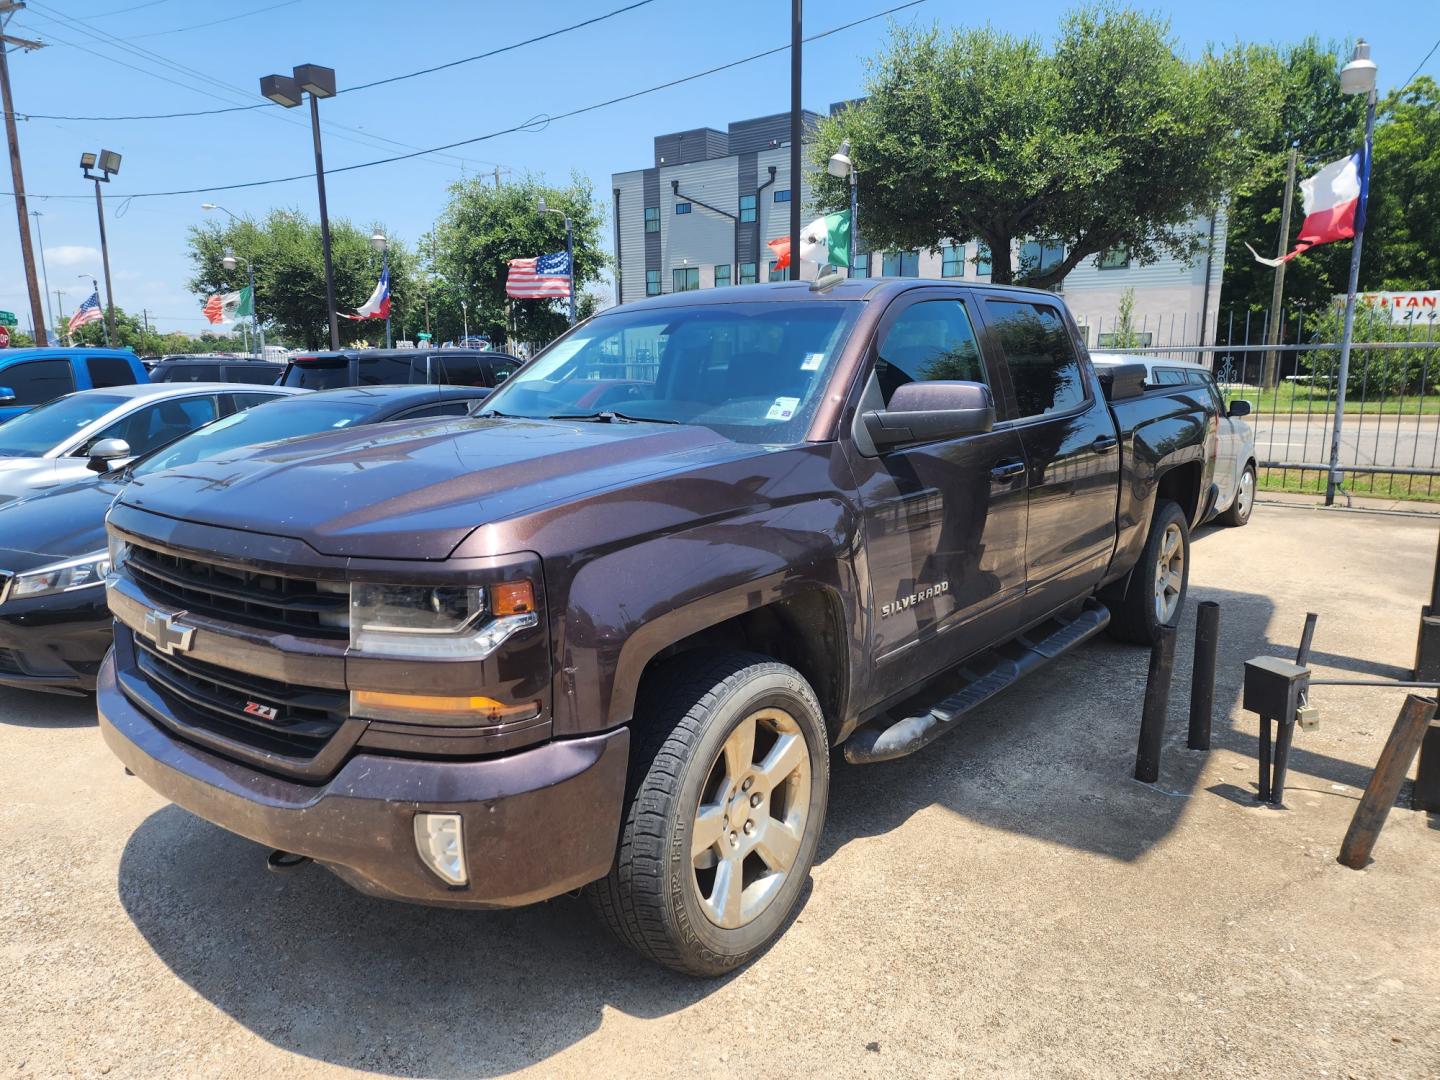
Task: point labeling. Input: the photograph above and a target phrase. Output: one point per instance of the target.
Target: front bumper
(54, 643)
(536, 823)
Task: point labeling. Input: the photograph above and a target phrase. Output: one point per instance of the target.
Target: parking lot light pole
(380, 244)
(569, 251)
(1356, 77)
(108, 164)
(842, 166)
(289, 91)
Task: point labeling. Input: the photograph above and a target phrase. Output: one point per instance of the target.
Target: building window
(1115, 259)
(652, 219)
(652, 282)
(685, 278)
(776, 274)
(747, 274)
(982, 260)
(901, 264)
(682, 208)
(1037, 257)
(952, 262)
(747, 208)
(782, 195)
(860, 265)
(722, 275)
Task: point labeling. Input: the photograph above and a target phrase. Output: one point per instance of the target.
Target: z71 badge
(903, 602)
(265, 712)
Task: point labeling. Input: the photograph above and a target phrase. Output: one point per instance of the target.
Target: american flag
(549, 275)
(87, 312)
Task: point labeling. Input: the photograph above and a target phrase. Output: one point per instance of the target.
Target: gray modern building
(700, 217)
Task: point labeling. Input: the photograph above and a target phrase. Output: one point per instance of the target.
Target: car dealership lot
(1007, 902)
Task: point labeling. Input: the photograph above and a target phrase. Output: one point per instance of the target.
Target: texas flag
(1334, 201)
(378, 306)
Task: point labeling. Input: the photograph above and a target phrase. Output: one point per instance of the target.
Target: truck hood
(414, 491)
(62, 523)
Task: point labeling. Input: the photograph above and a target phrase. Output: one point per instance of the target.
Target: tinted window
(256, 374)
(1044, 369)
(188, 373)
(108, 371)
(157, 424)
(327, 374)
(458, 371)
(242, 402)
(47, 427)
(444, 408)
(38, 381)
(1169, 376)
(929, 340)
(500, 372)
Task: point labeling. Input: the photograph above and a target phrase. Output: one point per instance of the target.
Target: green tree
(481, 229)
(285, 249)
(133, 334)
(1324, 125)
(1402, 233)
(1111, 139)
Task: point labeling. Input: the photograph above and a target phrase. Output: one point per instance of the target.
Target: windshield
(753, 372)
(40, 430)
(263, 424)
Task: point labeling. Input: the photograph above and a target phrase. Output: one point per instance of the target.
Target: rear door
(1071, 449)
(35, 382)
(109, 371)
(944, 521)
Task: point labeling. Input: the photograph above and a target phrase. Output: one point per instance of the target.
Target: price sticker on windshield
(783, 409)
(812, 361)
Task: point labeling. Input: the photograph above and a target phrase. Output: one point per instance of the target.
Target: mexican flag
(824, 241)
(227, 307)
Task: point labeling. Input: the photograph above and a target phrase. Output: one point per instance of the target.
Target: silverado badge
(929, 592)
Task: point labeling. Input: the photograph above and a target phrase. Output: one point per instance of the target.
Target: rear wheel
(1155, 591)
(1238, 512)
(725, 813)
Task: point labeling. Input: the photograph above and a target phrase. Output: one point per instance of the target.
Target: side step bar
(1002, 667)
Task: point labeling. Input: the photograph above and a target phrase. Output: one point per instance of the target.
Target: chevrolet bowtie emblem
(167, 633)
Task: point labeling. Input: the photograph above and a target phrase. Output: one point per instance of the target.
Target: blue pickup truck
(30, 377)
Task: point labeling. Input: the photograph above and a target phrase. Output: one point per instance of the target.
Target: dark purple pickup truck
(607, 633)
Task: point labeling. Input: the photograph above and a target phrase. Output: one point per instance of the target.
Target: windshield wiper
(610, 416)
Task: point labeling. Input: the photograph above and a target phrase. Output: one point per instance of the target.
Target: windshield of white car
(43, 428)
(753, 372)
(285, 419)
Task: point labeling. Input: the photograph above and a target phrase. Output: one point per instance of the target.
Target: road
(1366, 439)
(1007, 903)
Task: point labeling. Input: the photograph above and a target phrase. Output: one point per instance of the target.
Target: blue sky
(366, 40)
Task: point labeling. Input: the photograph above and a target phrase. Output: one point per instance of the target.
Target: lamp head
(377, 241)
(109, 162)
(543, 208)
(1358, 76)
(281, 89)
(840, 164)
(320, 81)
(229, 262)
(87, 161)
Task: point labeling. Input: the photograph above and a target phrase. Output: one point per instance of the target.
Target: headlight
(438, 622)
(59, 577)
(119, 553)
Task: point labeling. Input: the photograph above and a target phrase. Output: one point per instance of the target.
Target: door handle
(1104, 443)
(1006, 470)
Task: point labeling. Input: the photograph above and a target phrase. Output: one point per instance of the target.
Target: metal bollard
(1157, 703)
(1384, 786)
(1307, 636)
(1264, 793)
(1202, 674)
(1284, 735)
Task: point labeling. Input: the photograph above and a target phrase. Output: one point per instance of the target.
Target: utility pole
(1269, 376)
(27, 250)
(497, 177)
(797, 134)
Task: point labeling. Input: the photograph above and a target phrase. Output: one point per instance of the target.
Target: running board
(986, 675)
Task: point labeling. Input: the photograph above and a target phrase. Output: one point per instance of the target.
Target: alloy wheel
(1169, 573)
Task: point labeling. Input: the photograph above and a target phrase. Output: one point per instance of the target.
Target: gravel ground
(1008, 902)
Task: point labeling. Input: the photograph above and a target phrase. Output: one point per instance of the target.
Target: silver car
(71, 437)
(1235, 457)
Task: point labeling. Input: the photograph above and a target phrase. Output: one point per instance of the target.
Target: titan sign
(1421, 307)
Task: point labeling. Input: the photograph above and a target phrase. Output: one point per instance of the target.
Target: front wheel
(1155, 590)
(1238, 512)
(723, 823)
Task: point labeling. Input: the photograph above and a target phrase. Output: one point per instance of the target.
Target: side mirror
(1238, 408)
(930, 411)
(107, 454)
(7, 396)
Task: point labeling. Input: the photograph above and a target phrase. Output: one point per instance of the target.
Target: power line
(363, 86)
(1420, 65)
(541, 120)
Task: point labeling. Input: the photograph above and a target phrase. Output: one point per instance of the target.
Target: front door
(944, 521)
(1071, 450)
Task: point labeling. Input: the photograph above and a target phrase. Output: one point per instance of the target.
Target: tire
(671, 903)
(1243, 504)
(1135, 614)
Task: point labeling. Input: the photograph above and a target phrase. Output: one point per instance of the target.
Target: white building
(701, 216)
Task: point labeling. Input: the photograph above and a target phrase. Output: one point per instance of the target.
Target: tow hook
(285, 862)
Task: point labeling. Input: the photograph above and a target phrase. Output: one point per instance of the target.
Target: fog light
(440, 840)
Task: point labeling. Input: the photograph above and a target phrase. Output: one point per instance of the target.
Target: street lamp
(289, 91)
(1356, 77)
(229, 262)
(379, 243)
(45, 276)
(841, 166)
(569, 251)
(108, 164)
(465, 320)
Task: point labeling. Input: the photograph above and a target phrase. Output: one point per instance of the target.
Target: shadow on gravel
(27, 708)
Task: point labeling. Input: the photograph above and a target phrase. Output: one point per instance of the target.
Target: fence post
(1202, 674)
(1384, 786)
(1157, 703)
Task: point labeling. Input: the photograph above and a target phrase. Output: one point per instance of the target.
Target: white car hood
(25, 476)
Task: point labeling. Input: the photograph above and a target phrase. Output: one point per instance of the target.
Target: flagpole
(1332, 480)
(384, 272)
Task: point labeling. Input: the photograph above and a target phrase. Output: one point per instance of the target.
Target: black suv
(216, 369)
(389, 367)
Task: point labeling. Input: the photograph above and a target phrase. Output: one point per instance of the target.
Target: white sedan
(71, 437)
(1235, 472)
